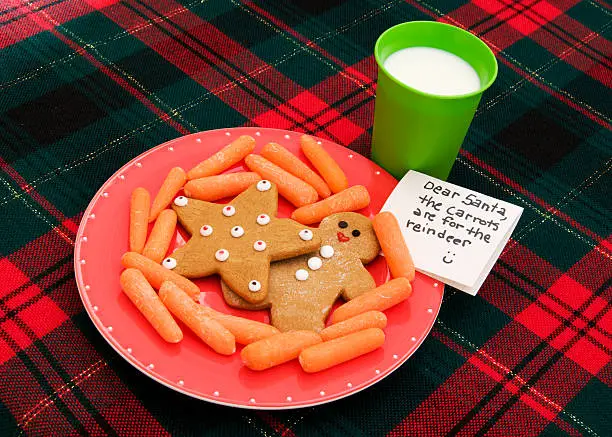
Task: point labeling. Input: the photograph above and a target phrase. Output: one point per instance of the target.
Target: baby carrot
(379, 299)
(246, 331)
(137, 289)
(161, 236)
(224, 158)
(156, 274)
(213, 188)
(339, 350)
(187, 311)
(172, 184)
(139, 215)
(351, 199)
(325, 164)
(369, 319)
(286, 160)
(295, 190)
(393, 245)
(277, 349)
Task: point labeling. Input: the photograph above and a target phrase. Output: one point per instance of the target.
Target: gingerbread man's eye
(342, 224)
(356, 233)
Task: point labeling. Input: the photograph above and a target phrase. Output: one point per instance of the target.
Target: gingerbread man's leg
(358, 282)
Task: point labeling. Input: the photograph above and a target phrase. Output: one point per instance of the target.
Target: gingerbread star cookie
(302, 290)
(238, 240)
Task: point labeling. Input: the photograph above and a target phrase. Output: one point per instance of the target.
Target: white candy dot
(181, 201)
(395, 357)
(259, 245)
(83, 261)
(87, 287)
(229, 211)
(139, 164)
(349, 385)
(171, 149)
(257, 134)
(95, 308)
(227, 134)
(109, 329)
(206, 231)
(263, 219)
(216, 393)
(198, 140)
(169, 263)
(181, 382)
(287, 136)
(429, 310)
(413, 338)
(237, 231)
(105, 194)
(315, 263)
(129, 350)
(322, 393)
(301, 275)
(263, 185)
(289, 398)
(84, 239)
(306, 234)
(222, 255)
(254, 286)
(252, 400)
(151, 366)
(326, 251)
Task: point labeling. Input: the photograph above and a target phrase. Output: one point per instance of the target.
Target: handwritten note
(454, 234)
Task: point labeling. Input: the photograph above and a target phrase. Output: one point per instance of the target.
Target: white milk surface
(433, 71)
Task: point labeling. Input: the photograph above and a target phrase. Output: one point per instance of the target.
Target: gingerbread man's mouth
(342, 238)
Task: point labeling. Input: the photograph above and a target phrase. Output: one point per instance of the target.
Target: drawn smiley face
(449, 257)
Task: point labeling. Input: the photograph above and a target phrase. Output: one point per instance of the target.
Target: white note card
(455, 235)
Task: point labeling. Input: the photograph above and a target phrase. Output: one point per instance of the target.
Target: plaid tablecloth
(85, 85)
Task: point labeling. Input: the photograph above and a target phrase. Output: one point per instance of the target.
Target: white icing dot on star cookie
(263, 185)
(326, 251)
(301, 275)
(169, 263)
(263, 219)
(237, 231)
(259, 245)
(254, 286)
(206, 230)
(181, 201)
(306, 234)
(229, 211)
(315, 263)
(222, 255)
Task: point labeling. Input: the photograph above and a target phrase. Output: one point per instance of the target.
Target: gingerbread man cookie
(238, 240)
(302, 290)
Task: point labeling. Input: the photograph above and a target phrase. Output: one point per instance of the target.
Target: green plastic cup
(414, 130)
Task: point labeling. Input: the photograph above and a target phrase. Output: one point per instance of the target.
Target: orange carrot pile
(157, 274)
(187, 311)
(325, 164)
(351, 199)
(172, 184)
(224, 158)
(339, 350)
(277, 349)
(246, 331)
(139, 218)
(393, 245)
(286, 160)
(137, 289)
(213, 188)
(379, 299)
(369, 319)
(161, 236)
(295, 190)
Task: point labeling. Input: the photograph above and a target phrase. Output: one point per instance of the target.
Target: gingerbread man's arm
(191, 212)
(358, 282)
(291, 239)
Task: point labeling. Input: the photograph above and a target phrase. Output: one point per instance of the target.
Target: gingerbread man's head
(350, 233)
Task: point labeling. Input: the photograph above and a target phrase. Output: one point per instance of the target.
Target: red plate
(192, 368)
